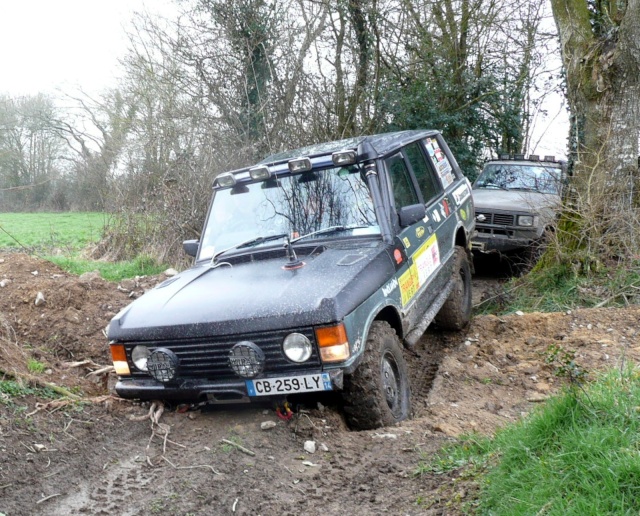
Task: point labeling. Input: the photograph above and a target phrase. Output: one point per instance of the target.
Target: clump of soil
(105, 456)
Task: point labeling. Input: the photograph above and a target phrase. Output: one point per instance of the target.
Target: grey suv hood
(513, 200)
(256, 295)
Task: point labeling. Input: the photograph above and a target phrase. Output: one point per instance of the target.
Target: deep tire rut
(424, 363)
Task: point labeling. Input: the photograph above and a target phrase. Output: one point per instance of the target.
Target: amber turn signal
(333, 343)
(119, 357)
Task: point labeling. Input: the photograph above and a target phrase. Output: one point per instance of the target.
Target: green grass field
(45, 231)
(59, 238)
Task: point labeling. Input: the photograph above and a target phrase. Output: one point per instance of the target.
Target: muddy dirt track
(102, 455)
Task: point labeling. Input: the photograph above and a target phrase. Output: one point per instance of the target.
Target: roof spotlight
(342, 158)
(300, 165)
(260, 173)
(225, 180)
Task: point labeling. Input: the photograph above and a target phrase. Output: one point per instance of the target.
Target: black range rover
(314, 268)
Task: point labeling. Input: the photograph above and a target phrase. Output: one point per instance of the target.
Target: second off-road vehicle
(517, 201)
(314, 267)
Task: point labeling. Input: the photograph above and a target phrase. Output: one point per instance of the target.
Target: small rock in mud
(267, 425)
(447, 429)
(88, 277)
(39, 299)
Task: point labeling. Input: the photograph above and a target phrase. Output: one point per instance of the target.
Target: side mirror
(409, 215)
(191, 247)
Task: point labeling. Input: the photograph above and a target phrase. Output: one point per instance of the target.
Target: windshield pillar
(371, 173)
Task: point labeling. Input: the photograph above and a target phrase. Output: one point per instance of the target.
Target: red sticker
(445, 203)
(398, 256)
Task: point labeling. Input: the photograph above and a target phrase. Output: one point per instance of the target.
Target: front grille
(500, 219)
(209, 357)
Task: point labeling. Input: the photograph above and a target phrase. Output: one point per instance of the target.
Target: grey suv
(517, 201)
(314, 267)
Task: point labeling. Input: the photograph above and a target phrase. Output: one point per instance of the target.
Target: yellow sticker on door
(409, 284)
(425, 261)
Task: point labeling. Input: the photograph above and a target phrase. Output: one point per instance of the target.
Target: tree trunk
(601, 55)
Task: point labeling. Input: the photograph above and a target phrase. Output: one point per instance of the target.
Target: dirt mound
(505, 365)
(119, 457)
(59, 318)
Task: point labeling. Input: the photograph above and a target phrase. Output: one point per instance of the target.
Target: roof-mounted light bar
(521, 157)
(260, 173)
(299, 165)
(225, 180)
(343, 158)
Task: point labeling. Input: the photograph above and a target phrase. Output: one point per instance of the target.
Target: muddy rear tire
(378, 392)
(455, 314)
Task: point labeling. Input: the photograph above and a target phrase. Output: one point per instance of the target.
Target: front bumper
(198, 390)
(503, 239)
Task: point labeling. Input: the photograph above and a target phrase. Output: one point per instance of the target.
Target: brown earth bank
(102, 455)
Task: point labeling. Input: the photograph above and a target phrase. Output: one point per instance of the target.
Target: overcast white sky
(49, 45)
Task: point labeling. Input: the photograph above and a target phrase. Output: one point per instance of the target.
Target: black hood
(257, 295)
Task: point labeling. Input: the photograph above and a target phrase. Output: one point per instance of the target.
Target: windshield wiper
(260, 240)
(525, 189)
(331, 229)
(249, 243)
(492, 185)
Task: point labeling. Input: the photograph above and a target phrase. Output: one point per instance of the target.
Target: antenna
(294, 262)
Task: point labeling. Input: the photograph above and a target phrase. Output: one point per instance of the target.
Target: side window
(404, 193)
(426, 180)
(440, 160)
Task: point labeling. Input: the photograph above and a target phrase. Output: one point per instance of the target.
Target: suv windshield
(293, 205)
(520, 177)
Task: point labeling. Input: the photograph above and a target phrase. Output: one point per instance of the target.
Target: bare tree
(30, 151)
(467, 68)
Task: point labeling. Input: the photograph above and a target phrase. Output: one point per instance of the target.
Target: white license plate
(289, 384)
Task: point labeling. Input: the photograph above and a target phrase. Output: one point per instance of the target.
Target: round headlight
(139, 356)
(163, 365)
(525, 220)
(297, 347)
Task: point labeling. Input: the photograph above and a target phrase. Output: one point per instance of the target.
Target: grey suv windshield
(293, 205)
(520, 177)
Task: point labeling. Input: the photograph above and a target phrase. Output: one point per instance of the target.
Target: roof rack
(522, 157)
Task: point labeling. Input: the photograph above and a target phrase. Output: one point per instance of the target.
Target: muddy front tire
(378, 393)
(455, 314)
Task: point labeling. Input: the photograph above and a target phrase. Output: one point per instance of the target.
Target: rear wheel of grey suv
(378, 393)
(455, 314)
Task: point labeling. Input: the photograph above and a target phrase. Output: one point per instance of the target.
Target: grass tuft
(34, 366)
(10, 390)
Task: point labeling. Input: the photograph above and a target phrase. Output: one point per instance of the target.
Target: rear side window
(404, 194)
(423, 173)
(440, 161)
